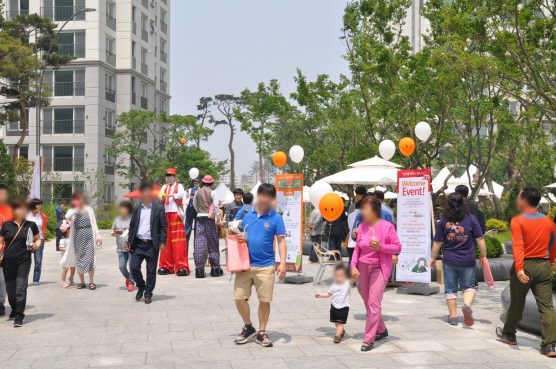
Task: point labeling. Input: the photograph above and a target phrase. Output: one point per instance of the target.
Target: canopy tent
(452, 182)
(390, 195)
(372, 171)
(342, 195)
(544, 200)
(551, 185)
(375, 161)
(224, 194)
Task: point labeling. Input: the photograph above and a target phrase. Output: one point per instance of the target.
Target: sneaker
(18, 322)
(453, 320)
(262, 339)
(245, 335)
(131, 287)
(509, 338)
(36, 283)
(64, 285)
(72, 283)
(467, 315)
(548, 350)
(127, 282)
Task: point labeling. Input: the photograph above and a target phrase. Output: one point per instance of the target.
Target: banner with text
(289, 203)
(35, 188)
(414, 225)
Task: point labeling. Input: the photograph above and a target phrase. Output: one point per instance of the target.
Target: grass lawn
(503, 237)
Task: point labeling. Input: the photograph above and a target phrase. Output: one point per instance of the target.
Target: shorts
(339, 315)
(260, 277)
(453, 274)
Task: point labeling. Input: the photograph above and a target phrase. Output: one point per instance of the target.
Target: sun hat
(208, 179)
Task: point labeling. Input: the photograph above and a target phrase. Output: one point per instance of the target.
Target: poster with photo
(414, 225)
(289, 204)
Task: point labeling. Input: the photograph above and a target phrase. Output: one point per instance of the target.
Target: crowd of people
(155, 232)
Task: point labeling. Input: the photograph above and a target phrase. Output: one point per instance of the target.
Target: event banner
(289, 203)
(35, 190)
(414, 225)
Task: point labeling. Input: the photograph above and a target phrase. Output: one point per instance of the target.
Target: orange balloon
(331, 206)
(407, 146)
(182, 140)
(279, 159)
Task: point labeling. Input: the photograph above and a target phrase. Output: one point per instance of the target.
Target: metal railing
(163, 57)
(110, 58)
(69, 89)
(63, 13)
(163, 27)
(77, 50)
(144, 35)
(15, 129)
(66, 164)
(144, 69)
(110, 95)
(109, 169)
(111, 21)
(144, 103)
(163, 86)
(12, 13)
(64, 126)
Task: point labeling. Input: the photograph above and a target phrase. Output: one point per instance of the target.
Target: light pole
(40, 78)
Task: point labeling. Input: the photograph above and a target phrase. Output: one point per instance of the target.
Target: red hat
(171, 171)
(208, 179)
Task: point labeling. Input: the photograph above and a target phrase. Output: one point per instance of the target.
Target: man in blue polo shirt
(262, 225)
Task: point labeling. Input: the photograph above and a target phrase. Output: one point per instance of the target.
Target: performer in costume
(174, 257)
(191, 213)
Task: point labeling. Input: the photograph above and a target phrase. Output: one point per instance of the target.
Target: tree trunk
(23, 133)
(232, 158)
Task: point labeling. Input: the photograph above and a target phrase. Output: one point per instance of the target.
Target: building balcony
(133, 98)
(111, 58)
(163, 86)
(164, 27)
(12, 13)
(163, 57)
(144, 69)
(65, 164)
(110, 95)
(144, 103)
(109, 169)
(64, 126)
(77, 50)
(111, 22)
(144, 35)
(109, 130)
(69, 89)
(63, 13)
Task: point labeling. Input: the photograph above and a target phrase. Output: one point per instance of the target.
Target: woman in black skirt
(16, 262)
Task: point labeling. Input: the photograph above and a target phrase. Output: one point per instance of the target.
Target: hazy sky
(225, 46)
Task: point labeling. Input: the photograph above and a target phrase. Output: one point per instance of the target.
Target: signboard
(289, 204)
(35, 190)
(414, 225)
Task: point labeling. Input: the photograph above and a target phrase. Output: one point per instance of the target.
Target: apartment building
(415, 25)
(122, 63)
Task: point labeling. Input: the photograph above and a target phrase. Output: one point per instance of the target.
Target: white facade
(122, 64)
(416, 25)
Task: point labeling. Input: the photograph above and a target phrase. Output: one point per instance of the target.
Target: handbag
(6, 249)
(211, 206)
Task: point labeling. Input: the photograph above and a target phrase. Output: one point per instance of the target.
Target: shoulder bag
(210, 204)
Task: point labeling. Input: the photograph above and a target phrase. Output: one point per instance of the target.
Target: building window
(108, 193)
(66, 82)
(64, 10)
(110, 51)
(72, 43)
(144, 66)
(64, 158)
(63, 120)
(163, 106)
(23, 151)
(109, 119)
(133, 58)
(110, 15)
(163, 24)
(110, 87)
(144, 25)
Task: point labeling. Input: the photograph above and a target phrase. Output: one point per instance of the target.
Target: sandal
(80, 286)
(337, 339)
(92, 286)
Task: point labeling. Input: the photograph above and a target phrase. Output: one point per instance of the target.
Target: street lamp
(40, 78)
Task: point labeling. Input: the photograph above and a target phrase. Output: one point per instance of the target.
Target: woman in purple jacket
(376, 242)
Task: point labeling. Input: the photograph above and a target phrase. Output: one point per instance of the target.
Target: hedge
(494, 248)
(497, 224)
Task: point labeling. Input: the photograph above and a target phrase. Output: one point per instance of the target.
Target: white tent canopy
(438, 182)
(375, 161)
(372, 171)
(224, 194)
(342, 195)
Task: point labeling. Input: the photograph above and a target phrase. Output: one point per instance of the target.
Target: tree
(205, 116)
(190, 156)
(7, 177)
(93, 185)
(269, 171)
(187, 127)
(24, 176)
(228, 106)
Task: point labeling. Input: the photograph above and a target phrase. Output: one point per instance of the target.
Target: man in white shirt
(174, 258)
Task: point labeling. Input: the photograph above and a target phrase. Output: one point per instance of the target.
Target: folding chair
(325, 257)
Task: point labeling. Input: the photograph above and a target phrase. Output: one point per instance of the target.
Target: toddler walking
(340, 293)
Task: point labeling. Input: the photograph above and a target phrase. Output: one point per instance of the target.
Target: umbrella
(136, 194)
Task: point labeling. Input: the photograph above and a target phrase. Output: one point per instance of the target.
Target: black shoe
(245, 335)
(163, 271)
(213, 272)
(365, 348)
(382, 335)
(140, 292)
(2, 310)
(200, 273)
(182, 273)
(263, 340)
(548, 350)
(509, 338)
(148, 300)
(18, 322)
(220, 272)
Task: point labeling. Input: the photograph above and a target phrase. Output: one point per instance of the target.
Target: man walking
(190, 212)
(359, 194)
(5, 216)
(233, 207)
(174, 258)
(534, 247)
(147, 235)
(263, 224)
(60, 217)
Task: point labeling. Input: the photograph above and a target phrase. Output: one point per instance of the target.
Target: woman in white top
(83, 234)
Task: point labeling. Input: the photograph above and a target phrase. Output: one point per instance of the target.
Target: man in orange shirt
(5, 215)
(534, 248)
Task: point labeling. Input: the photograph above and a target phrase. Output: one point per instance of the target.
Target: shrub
(50, 212)
(494, 248)
(104, 224)
(48, 235)
(497, 224)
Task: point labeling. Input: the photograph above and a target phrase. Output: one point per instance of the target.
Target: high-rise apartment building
(415, 25)
(122, 64)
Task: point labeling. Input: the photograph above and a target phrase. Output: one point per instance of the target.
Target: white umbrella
(224, 194)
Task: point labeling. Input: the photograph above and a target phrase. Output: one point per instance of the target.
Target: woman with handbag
(205, 203)
(16, 257)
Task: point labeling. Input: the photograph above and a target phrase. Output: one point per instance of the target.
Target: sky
(225, 46)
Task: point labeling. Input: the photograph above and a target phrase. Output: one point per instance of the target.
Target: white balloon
(387, 149)
(193, 173)
(423, 131)
(317, 191)
(297, 153)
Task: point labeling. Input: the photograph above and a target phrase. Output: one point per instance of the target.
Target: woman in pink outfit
(376, 242)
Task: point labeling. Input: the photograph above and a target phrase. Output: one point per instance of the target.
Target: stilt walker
(174, 257)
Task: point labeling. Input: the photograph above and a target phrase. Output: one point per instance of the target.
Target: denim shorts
(454, 274)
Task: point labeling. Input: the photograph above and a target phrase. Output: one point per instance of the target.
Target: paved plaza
(192, 323)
